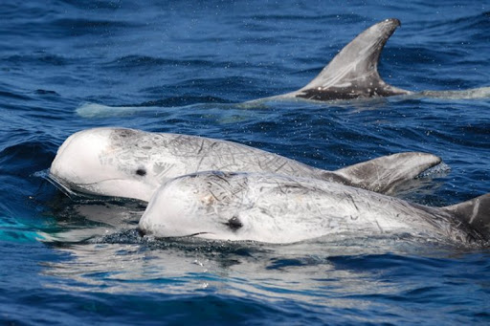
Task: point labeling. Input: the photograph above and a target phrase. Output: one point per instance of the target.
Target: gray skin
(133, 164)
(282, 209)
(353, 73)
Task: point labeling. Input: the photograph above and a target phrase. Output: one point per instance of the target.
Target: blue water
(182, 66)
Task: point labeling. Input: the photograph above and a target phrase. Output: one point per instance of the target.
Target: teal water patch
(16, 231)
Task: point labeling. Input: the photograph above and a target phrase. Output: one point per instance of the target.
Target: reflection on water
(320, 272)
(343, 276)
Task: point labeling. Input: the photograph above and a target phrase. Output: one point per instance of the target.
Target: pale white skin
(89, 162)
(278, 209)
(106, 161)
(133, 164)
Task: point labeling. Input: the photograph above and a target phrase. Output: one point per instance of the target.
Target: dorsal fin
(385, 173)
(353, 73)
(475, 212)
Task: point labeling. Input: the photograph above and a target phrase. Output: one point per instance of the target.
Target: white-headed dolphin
(283, 209)
(133, 164)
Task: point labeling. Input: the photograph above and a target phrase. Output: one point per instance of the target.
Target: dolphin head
(100, 162)
(203, 204)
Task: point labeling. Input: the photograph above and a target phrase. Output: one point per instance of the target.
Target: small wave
(57, 183)
(19, 158)
(80, 27)
(42, 59)
(474, 27)
(139, 61)
(441, 169)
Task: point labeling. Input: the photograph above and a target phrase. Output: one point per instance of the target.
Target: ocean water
(186, 67)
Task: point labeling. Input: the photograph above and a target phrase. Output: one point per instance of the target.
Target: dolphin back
(475, 212)
(353, 73)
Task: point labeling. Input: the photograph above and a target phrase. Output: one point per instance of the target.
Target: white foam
(440, 169)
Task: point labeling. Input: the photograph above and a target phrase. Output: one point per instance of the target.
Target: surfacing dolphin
(284, 209)
(133, 164)
(353, 73)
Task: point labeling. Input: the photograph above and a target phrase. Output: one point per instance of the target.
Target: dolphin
(284, 209)
(351, 75)
(353, 72)
(131, 163)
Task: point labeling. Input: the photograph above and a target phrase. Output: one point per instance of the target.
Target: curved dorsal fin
(476, 212)
(353, 73)
(384, 174)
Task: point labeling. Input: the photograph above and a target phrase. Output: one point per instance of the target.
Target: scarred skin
(133, 164)
(281, 209)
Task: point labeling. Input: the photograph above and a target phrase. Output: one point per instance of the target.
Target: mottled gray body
(132, 163)
(281, 209)
(353, 73)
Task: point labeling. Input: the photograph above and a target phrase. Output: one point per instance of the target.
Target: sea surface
(187, 67)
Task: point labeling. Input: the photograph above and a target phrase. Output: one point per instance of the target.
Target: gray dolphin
(353, 73)
(133, 164)
(283, 209)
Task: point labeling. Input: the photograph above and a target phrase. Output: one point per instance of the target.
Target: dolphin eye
(234, 223)
(141, 172)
